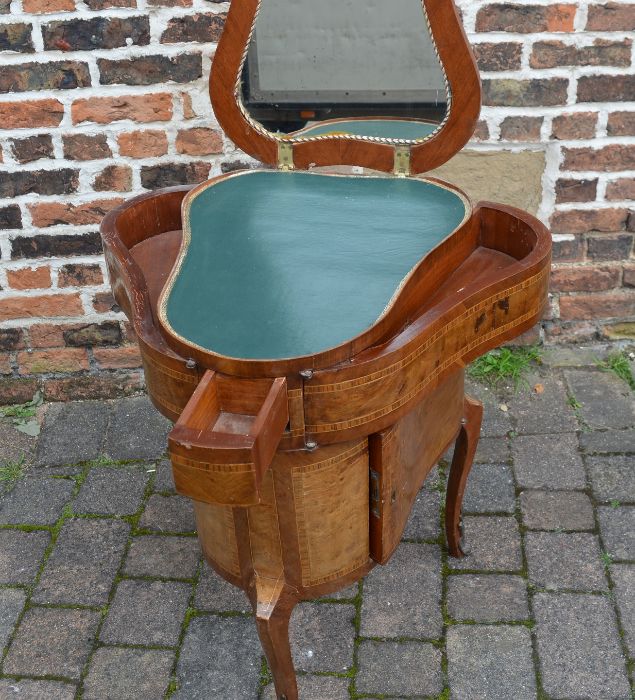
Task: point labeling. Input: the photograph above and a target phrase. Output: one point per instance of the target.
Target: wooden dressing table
(308, 332)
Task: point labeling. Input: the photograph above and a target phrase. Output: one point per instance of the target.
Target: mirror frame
(463, 106)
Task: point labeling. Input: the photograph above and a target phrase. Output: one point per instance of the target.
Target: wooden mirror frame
(464, 103)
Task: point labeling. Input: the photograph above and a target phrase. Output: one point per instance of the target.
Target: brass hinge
(285, 155)
(375, 494)
(402, 161)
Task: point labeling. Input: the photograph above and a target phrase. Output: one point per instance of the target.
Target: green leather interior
(379, 128)
(284, 264)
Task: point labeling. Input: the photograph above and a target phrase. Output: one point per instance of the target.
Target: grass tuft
(618, 363)
(504, 364)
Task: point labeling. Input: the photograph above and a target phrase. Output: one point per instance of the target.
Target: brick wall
(100, 99)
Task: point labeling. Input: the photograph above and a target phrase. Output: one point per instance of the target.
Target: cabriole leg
(464, 451)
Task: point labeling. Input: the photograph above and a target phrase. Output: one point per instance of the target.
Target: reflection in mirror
(360, 67)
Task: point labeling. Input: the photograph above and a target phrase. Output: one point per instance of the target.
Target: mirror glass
(358, 67)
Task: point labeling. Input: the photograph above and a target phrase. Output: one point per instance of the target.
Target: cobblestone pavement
(103, 594)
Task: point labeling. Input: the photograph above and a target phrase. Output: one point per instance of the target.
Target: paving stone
(578, 647)
(52, 642)
(214, 593)
(161, 556)
(84, 562)
(316, 688)
(557, 510)
(128, 674)
(617, 526)
(547, 412)
(424, 520)
(112, 490)
(565, 560)
(490, 489)
(15, 446)
(322, 636)
(36, 501)
(612, 477)
(147, 613)
(493, 543)
(608, 441)
(164, 479)
(72, 432)
(495, 422)
(548, 462)
(623, 576)
(21, 555)
(347, 593)
(27, 689)
(220, 658)
(490, 598)
(606, 401)
(493, 662)
(137, 430)
(493, 449)
(11, 604)
(168, 514)
(399, 668)
(402, 598)
(433, 479)
(572, 355)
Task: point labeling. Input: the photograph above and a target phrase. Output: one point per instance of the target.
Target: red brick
(576, 190)
(604, 247)
(103, 386)
(46, 6)
(603, 52)
(607, 159)
(30, 278)
(577, 125)
(481, 132)
(585, 278)
(54, 213)
(583, 220)
(79, 275)
(629, 276)
(574, 332)
(521, 128)
(199, 142)
(103, 302)
(17, 390)
(55, 360)
(86, 146)
(140, 108)
(621, 189)
(41, 306)
(539, 92)
(509, 17)
(595, 306)
(31, 114)
(114, 178)
(498, 56)
(48, 335)
(611, 17)
(126, 357)
(5, 364)
(606, 88)
(621, 124)
(143, 144)
(188, 107)
(568, 250)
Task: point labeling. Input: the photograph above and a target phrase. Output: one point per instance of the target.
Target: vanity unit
(308, 330)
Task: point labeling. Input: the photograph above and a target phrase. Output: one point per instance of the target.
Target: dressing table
(307, 331)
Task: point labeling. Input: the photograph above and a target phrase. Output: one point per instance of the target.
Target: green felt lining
(285, 264)
(402, 129)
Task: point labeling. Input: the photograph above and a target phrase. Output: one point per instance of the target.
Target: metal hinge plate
(402, 161)
(285, 155)
(375, 494)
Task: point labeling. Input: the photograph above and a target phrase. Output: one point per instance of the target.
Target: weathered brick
(44, 361)
(105, 4)
(62, 181)
(18, 390)
(583, 220)
(56, 75)
(547, 92)
(611, 17)
(609, 247)
(16, 37)
(86, 386)
(498, 56)
(526, 19)
(30, 277)
(5, 7)
(481, 133)
(114, 178)
(45, 246)
(521, 128)
(577, 125)
(570, 249)
(86, 146)
(55, 213)
(603, 52)
(609, 158)
(169, 174)
(143, 144)
(149, 70)
(199, 27)
(11, 339)
(10, 217)
(621, 189)
(170, 3)
(583, 306)
(199, 142)
(139, 108)
(621, 124)
(103, 302)
(126, 357)
(96, 33)
(188, 107)
(585, 278)
(105, 333)
(47, 335)
(31, 114)
(41, 306)
(38, 7)
(568, 190)
(606, 88)
(629, 281)
(32, 148)
(79, 275)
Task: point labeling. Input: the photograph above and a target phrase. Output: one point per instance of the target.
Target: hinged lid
(387, 86)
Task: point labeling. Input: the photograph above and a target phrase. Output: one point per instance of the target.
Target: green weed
(11, 471)
(504, 364)
(23, 415)
(618, 363)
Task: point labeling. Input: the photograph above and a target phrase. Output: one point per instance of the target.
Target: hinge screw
(310, 445)
(307, 373)
(191, 364)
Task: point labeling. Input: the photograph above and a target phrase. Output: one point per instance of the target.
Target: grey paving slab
(545, 412)
(557, 510)
(608, 441)
(495, 421)
(52, 642)
(578, 647)
(15, 446)
(128, 674)
(72, 432)
(548, 462)
(490, 489)
(163, 556)
(220, 658)
(347, 593)
(402, 599)
(137, 430)
(623, 576)
(112, 490)
(35, 500)
(573, 355)
(492, 662)
(168, 514)
(164, 479)
(433, 480)
(617, 527)
(487, 598)
(82, 567)
(493, 449)
(493, 543)
(424, 520)
(565, 560)
(147, 613)
(214, 593)
(399, 668)
(612, 477)
(316, 688)
(28, 689)
(11, 603)
(606, 401)
(21, 555)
